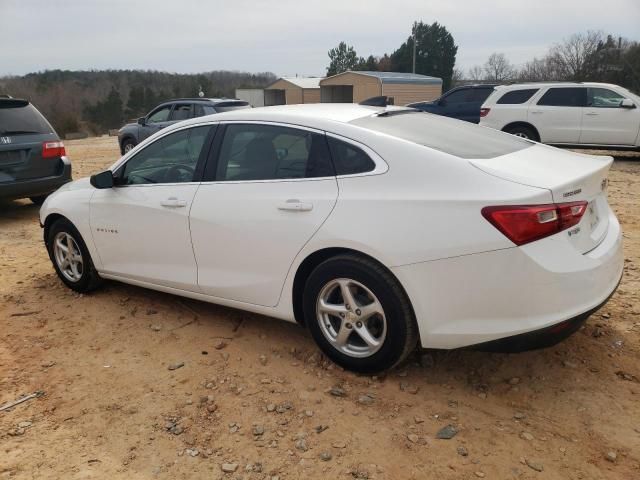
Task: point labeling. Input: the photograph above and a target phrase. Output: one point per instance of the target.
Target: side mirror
(142, 121)
(102, 180)
(626, 103)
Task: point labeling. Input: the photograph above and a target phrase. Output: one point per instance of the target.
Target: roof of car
(559, 84)
(207, 100)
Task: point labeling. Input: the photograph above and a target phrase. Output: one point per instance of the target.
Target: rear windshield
(16, 118)
(464, 140)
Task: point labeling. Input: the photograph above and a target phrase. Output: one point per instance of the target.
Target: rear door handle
(592, 113)
(294, 205)
(536, 111)
(173, 202)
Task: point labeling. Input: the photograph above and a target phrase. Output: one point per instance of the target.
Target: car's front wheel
(128, 145)
(71, 258)
(358, 314)
(523, 131)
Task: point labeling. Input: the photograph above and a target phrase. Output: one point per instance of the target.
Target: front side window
(349, 159)
(202, 110)
(170, 159)
(517, 97)
(604, 98)
(160, 115)
(564, 97)
(181, 111)
(266, 152)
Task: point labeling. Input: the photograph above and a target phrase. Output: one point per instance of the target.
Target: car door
(453, 104)
(470, 111)
(156, 121)
(181, 111)
(557, 114)
(606, 122)
(141, 226)
(267, 190)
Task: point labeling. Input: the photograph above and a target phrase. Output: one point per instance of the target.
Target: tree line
(590, 56)
(96, 101)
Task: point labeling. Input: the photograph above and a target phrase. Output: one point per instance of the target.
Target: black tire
(401, 331)
(127, 145)
(89, 279)
(524, 132)
(39, 200)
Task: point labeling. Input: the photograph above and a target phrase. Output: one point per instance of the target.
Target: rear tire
(523, 131)
(39, 200)
(351, 335)
(70, 257)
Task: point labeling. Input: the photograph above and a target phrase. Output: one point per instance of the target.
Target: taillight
(53, 149)
(484, 112)
(527, 223)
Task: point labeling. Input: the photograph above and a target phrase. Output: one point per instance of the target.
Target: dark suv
(462, 103)
(170, 112)
(33, 161)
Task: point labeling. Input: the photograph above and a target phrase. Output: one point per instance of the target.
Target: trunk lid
(569, 176)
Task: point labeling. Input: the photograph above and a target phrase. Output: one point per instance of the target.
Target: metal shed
(255, 96)
(292, 90)
(354, 87)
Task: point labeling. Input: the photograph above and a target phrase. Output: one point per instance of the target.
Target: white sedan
(376, 228)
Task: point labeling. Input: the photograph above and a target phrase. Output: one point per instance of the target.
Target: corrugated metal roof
(304, 82)
(399, 77)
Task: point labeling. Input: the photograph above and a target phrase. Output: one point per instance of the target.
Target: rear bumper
(479, 298)
(37, 186)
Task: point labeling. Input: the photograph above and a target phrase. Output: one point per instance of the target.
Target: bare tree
(539, 70)
(476, 73)
(498, 68)
(571, 58)
(457, 77)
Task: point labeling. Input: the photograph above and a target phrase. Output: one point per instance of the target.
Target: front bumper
(475, 299)
(37, 186)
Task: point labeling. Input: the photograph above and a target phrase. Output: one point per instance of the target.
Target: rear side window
(265, 152)
(181, 111)
(18, 118)
(564, 97)
(516, 97)
(479, 94)
(349, 159)
(450, 136)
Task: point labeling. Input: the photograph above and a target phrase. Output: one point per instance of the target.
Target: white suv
(597, 114)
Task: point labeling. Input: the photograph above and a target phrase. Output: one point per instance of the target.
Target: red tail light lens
(484, 112)
(53, 149)
(526, 223)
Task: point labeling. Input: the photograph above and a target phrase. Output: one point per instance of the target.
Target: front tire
(358, 314)
(128, 145)
(70, 257)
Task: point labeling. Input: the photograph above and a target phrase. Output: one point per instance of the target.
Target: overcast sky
(286, 37)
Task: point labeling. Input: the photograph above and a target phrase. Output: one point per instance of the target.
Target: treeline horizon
(95, 101)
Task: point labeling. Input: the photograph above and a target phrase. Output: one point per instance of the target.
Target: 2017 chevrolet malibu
(377, 228)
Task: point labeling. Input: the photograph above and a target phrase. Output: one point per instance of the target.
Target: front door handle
(295, 205)
(173, 202)
(536, 111)
(591, 114)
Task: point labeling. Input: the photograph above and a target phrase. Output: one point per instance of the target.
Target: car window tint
(160, 115)
(209, 109)
(17, 117)
(479, 94)
(603, 97)
(564, 97)
(170, 159)
(516, 97)
(349, 159)
(264, 152)
(445, 134)
(459, 96)
(181, 111)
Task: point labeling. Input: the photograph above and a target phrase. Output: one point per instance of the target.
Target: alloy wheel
(351, 318)
(68, 256)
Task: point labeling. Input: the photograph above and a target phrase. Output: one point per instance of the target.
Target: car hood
(80, 184)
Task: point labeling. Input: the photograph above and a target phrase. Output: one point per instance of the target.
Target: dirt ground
(253, 395)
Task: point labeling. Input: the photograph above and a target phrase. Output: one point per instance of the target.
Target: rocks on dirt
(447, 433)
(175, 366)
(532, 464)
(611, 456)
(527, 436)
(301, 444)
(220, 344)
(326, 456)
(229, 467)
(262, 359)
(407, 387)
(337, 391)
(462, 451)
(366, 399)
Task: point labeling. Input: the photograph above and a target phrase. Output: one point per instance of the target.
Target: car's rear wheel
(39, 200)
(128, 145)
(71, 258)
(523, 131)
(358, 314)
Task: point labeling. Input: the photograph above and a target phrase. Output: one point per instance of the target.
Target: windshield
(454, 137)
(17, 118)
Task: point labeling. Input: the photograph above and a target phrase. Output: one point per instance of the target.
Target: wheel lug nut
(359, 324)
(348, 325)
(348, 307)
(358, 312)
(342, 315)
